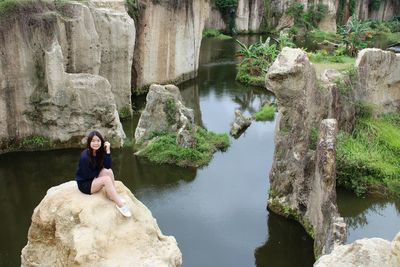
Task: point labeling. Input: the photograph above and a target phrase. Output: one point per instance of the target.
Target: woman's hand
(107, 147)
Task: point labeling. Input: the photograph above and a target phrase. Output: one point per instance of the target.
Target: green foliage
(35, 142)
(370, 156)
(313, 138)
(228, 12)
(338, 55)
(352, 7)
(225, 4)
(163, 148)
(133, 8)
(346, 84)
(374, 4)
(354, 35)
(124, 113)
(266, 113)
(214, 33)
(309, 18)
(258, 57)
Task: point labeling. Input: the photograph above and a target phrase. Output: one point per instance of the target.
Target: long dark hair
(100, 153)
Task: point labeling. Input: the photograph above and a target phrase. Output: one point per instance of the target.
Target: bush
(214, 33)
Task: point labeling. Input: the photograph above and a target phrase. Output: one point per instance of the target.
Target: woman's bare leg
(107, 172)
(108, 184)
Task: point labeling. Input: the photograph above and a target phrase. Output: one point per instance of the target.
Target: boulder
(303, 181)
(367, 252)
(165, 111)
(378, 79)
(240, 124)
(73, 229)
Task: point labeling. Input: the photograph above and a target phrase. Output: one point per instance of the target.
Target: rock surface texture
(379, 79)
(249, 15)
(303, 181)
(386, 9)
(168, 41)
(60, 71)
(240, 124)
(165, 112)
(73, 229)
(366, 252)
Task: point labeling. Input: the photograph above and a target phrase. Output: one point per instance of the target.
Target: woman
(94, 171)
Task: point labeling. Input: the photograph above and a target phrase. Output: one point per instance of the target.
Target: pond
(217, 213)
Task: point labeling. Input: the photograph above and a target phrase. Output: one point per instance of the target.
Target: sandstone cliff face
(215, 20)
(303, 182)
(379, 79)
(50, 71)
(249, 14)
(168, 41)
(73, 229)
(370, 252)
(386, 10)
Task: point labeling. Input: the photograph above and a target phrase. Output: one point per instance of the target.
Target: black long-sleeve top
(86, 171)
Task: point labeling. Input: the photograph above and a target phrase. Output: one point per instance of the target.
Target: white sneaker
(124, 210)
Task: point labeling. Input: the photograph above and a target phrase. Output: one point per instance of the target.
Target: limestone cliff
(303, 181)
(249, 14)
(387, 9)
(168, 41)
(62, 71)
(73, 229)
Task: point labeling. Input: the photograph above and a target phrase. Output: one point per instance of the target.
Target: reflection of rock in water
(286, 237)
(190, 96)
(144, 174)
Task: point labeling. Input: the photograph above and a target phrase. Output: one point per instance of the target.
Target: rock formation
(215, 20)
(303, 182)
(168, 41)
(249, 14)
(385, 10)
(165, 112)
(366, 252)
(73, 229)
(50, 71)
(379, 79)
(240, 124)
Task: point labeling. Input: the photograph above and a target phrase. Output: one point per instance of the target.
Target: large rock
(168, 41)
(73, 229)
(165, 112)
(58, 93)
(379, 79)
(215, 20)
(387, 9)
(303, 182)
(249, 15)
(240, 124)
(370, 252)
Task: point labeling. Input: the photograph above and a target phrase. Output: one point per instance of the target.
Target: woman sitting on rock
(94, 171)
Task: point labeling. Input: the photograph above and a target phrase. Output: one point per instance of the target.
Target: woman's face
(95, 144)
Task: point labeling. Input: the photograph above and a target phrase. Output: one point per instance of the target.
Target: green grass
(214, 33)
(267, 113)
(35, 142)
(163, 148)
(243, 76)
(370, 157)
(319, 36)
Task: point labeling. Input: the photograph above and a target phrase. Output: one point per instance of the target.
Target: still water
(218, 212)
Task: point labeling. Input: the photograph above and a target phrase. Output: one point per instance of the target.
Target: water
(217, 213)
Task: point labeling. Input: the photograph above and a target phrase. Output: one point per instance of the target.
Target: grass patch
(319, 36)
(214, 33)
(243, 76)
(35, 142)
(370, 157)
(266, 113)
(163, 148)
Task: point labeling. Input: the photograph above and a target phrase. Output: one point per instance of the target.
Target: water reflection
(285, 237)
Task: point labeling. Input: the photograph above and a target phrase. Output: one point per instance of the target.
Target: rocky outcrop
(240, 124)
(168, 41)
(365, 252)
(249, 15)
(303, 181)
(73, 229)
(379, 79)
(165, 112)
(50, 72)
